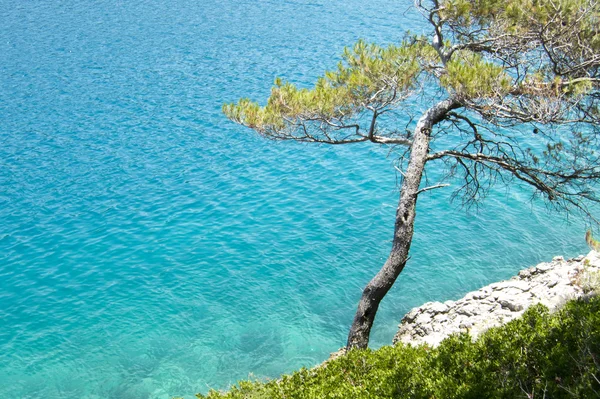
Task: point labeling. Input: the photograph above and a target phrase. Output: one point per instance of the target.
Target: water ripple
(149, 248)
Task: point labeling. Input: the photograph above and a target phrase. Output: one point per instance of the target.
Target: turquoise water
(150, 248)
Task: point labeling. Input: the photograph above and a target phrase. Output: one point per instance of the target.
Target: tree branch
(431, 188)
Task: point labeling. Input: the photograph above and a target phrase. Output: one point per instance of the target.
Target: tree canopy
(506, 91)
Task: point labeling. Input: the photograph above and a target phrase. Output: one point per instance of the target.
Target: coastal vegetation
(496, 92)
(540, 355)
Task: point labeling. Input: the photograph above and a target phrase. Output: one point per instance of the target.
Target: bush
(537, 356)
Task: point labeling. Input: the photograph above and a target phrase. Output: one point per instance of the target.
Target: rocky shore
(551, 284)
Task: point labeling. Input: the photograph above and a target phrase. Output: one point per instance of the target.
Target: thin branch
(432, 188)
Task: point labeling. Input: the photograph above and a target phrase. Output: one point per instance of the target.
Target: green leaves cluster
(508, 61)
(517, 15)
(561, 37)
(539, 355)
(369, 77)
(469, 76)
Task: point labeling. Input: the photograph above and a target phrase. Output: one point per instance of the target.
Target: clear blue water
(150, 248)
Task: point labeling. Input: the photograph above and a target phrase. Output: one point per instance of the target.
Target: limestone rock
(438, 307)
(551, 284)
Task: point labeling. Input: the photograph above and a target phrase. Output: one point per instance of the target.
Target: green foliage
(368, 75)
(518, 16)
(468, 75)
(505, 60)
(539, 355)
(568, 29)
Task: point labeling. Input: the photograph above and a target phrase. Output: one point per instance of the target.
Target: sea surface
(150, 248)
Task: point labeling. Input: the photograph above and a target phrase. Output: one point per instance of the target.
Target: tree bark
(378, 287)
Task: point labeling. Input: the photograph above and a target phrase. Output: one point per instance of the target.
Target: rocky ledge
(551, 284)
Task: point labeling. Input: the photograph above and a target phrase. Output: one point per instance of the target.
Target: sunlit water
(150, 248)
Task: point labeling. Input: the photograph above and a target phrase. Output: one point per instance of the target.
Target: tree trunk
(404, 227)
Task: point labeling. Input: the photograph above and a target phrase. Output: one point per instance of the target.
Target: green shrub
(537, 356)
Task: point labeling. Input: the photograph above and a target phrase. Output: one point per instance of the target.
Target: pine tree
(512, 85)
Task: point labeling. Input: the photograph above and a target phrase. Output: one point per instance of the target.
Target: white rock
(438, 307)
(466, 324)
(525, 274)
(410, 316)
(548, 283)
(508, 293)
(468, 310)
(514, 306)
(552, 283)
(423, 318)
(510, 284)
(481, 294)
(543, 267)
(434, 339)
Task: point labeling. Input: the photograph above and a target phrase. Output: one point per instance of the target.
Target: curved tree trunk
(404, 228)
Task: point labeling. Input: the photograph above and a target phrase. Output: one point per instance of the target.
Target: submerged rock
(551, 284)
